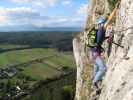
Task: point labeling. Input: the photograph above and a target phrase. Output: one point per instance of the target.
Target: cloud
(50, 2)
(21, 1)
(67, 3)
(82, 9)
(3, 20)
(57, 22)
(28, 16)
(5, 11)
(34, 14)
(12, 16)
(40, 3)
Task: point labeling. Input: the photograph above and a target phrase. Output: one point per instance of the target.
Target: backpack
(91, 38)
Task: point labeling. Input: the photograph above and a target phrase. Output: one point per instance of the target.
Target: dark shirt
(100, 36)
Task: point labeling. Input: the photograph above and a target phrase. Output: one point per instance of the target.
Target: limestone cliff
(118, 81)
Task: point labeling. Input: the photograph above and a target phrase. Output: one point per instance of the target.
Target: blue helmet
(100, 20)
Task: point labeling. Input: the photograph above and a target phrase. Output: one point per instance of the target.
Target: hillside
(61, 40)
(118, 83)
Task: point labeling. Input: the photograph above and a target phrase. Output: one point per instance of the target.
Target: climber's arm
(110, 18)
(112, 14)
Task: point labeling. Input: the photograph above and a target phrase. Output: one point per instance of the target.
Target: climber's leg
(101, 69)
(100, 63)
(98, 76)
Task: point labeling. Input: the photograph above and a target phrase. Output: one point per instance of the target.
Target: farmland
(24, 63)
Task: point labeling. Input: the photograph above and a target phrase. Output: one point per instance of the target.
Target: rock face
(118, 81)
(83, 70)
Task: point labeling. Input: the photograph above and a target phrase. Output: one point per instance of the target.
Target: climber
(96, 50)
(99, 66)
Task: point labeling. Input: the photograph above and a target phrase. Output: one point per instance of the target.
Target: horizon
(47, 29)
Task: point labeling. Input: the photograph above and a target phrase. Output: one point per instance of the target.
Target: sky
(43, 13)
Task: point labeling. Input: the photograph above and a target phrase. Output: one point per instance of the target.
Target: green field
(50, 67)
(29, 58)
(21, 56)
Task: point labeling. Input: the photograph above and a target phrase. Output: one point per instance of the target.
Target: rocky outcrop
(83, 70)
(118, 81)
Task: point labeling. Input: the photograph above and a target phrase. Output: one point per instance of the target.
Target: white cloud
(67, 3)
(3, 20)
(49, 21)
(17, 16)
(4, 11)
(41, 3)
(82, 9)
(38, 4)
(36, 16)
(57, 22)
(12, 16)
(50, 2)
(44, 3)
(21, 1)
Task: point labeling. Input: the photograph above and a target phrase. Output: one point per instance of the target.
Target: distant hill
(61, 40)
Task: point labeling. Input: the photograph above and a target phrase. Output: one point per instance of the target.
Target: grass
(38, 71)
(63, 59)
(21, 56)
(49, 68)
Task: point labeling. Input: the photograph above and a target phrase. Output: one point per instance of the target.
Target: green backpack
(91, 38)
